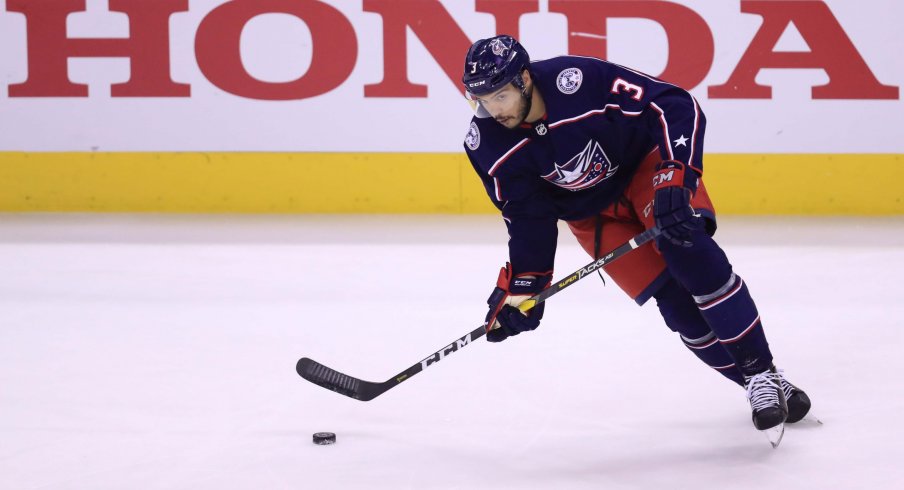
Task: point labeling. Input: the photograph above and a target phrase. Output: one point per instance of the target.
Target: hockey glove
(504, 318)
(673, 185)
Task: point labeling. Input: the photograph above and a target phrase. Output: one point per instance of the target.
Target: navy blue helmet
(494, 63)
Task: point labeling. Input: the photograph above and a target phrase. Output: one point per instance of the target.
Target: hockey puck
(324, 438)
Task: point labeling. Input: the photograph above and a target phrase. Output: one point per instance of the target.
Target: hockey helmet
(492, 64)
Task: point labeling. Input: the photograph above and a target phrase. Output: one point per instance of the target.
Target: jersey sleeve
(671, 114)
(533, 235)
(529, 214)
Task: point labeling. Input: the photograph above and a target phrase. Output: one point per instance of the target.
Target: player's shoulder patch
(569, 80)
(472, 139)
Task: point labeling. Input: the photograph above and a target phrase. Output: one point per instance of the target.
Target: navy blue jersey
(601, 121)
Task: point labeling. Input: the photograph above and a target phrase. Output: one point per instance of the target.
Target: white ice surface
(149, 352)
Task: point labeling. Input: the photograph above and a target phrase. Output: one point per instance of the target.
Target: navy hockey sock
(731, 313)
(701, 268)
(709, 350)
(681, 314)
(722, 298)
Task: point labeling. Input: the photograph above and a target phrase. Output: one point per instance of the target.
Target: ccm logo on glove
(663, 177)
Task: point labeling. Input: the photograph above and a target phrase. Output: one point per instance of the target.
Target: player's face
(506, 105)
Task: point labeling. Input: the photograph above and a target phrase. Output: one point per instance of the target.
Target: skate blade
(808, 421)
(774, 435)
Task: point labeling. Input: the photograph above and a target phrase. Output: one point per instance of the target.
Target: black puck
(324, 438)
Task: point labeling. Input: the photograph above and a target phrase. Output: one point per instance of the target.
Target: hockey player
(612, 152)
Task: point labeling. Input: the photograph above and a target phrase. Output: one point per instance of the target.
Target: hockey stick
(359, 389)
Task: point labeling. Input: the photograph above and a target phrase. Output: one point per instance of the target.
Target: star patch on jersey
(472, 139)
(586, 169)
(569, 80)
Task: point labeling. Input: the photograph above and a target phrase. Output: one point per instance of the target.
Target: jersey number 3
(620, 85)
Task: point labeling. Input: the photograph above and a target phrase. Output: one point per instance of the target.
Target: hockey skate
(767, 400)
(798, 401)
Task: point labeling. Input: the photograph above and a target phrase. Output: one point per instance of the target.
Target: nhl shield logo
(569, 80)
(541, 129)
(472, 139)
(586, 169)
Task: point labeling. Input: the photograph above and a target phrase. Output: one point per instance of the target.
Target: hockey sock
(722, 298)
(733, 316)
(701, 268)
(681, 314)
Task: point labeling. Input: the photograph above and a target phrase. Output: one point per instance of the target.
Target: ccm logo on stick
(438, 356)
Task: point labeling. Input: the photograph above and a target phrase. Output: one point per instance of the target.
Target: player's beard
(522, 111)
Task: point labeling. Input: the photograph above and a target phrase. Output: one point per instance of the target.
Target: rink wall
(331, 106)
(841, 184)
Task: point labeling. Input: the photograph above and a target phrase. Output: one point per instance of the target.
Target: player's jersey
(601, 121)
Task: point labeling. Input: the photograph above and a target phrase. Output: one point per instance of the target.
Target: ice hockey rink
(158, 352)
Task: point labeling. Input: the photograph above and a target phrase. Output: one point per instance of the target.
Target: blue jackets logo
(584, 170)
(498, 47)
(472, 139)
(569, 80)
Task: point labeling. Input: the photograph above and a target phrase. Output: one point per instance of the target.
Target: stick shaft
(362, 390)
(637, 241)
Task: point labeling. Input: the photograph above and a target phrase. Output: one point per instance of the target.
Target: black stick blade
(331, 379)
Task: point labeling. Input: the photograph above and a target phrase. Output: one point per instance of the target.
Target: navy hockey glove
(504, 318)
(673, 186)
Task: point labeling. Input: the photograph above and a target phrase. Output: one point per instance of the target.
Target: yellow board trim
(767, 184)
